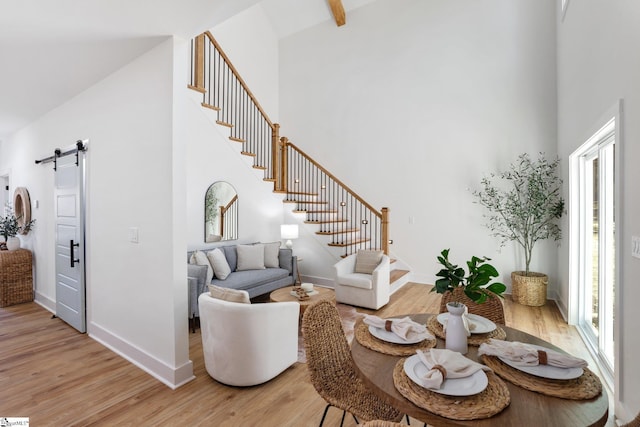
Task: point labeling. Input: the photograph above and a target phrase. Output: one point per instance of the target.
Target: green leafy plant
(526, 207)
(476, 284)
(9, 225)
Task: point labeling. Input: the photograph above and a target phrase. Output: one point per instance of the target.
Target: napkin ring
(542, 357)
(442, 370)
(387, 325)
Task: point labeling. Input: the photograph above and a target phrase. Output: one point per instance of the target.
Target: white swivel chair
(247, 344)
(361, 289)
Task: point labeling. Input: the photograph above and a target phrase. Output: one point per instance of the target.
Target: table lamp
(288, 232)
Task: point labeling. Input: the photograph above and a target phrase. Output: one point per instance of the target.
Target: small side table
(16, 277)
(284, 294)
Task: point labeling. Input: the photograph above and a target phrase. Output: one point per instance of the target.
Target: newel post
(275, 146)
(384, 221)
(284, 172)
(199, 62)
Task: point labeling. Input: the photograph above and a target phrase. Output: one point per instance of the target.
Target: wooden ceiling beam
(338, 12)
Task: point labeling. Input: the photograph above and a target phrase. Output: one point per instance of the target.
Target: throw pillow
(250, 257)
(367, 261)
(227, 294)
(271, 255)
(219, 263)
(199, 258)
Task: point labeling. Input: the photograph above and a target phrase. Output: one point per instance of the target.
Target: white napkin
(468, 325)
(522, 354)
(405, 328)
(443, 364)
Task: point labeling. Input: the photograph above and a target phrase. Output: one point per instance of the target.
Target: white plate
(483, 325)
(546, 371)
(312, 293)
(385, 335)
(468, 386)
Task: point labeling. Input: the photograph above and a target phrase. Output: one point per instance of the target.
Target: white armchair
(360, 289)
(247, 344)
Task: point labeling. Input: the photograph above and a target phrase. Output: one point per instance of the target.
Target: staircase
(334, 212)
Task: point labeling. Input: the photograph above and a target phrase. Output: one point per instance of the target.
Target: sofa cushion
(271, 252)
(199, 258)
(219, 263)
(199, 273)
(367, 261)
(250, 257)
(357, 280)
(231, 295)
(231, 255)
(252, 278)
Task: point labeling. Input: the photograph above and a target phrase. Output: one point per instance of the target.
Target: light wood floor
(58, 377)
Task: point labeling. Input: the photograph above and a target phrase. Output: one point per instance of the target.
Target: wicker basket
(16, 277)
(529, 290)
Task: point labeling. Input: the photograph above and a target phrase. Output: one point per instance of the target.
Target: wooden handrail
(329, 174)
(237, 75)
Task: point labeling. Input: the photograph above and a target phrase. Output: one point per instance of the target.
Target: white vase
(13, 243)
(456, 334)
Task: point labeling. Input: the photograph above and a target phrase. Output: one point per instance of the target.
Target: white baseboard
(45, 302)
(171, 376)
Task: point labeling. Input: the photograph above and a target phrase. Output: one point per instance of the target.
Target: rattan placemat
(365, 338)
(587, 386)
(486, 404)
(475, 339)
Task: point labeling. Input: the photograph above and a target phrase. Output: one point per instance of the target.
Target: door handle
(72, 257)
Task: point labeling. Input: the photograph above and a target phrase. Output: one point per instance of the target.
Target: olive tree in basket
(524, 204)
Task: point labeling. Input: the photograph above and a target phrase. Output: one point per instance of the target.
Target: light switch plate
(635, 246)
(133, 234)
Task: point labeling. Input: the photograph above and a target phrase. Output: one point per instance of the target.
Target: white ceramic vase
(456, 334)
(13, 243)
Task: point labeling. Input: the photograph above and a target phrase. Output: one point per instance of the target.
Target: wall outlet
(635, 246)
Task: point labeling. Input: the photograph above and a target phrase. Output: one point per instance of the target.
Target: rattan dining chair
(491, 309)
(332, 369)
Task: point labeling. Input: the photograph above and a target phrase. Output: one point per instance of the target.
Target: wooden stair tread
(396, 274)
(349, 243)
(197, 89)
(264, 168)
(308, 202)
(235, 139)
(301, 193)
(318, 211)
(211, 107)
(246, 153)
(221, 123)
(328, 221)
(332, 232)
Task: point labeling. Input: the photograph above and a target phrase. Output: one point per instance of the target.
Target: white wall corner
(172, 376)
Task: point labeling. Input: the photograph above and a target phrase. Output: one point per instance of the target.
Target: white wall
(598, 64)
(136, 293)
(411, 103)
(251, 45)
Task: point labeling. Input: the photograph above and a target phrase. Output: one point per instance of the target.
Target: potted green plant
(476, 285)
(524, 204)
(10, 227)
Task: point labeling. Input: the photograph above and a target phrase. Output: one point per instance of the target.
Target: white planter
(13, 243)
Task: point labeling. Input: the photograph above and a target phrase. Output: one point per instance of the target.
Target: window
(593, 243)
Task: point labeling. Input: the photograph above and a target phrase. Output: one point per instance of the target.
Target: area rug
(348, 317)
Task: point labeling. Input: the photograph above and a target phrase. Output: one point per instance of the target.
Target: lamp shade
(289, 231)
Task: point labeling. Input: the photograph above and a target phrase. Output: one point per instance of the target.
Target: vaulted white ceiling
(52, 50)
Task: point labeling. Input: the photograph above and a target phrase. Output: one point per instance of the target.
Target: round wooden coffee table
(284, 294)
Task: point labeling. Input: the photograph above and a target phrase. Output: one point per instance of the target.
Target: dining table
(523, 407)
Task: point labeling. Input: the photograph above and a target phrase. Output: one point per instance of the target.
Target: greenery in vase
(526, 208)
(476, 284)
(9, 226)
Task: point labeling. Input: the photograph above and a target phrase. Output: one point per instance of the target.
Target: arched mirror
(220, 212)
(22, 209)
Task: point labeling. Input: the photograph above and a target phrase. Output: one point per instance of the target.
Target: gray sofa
(255, 282)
